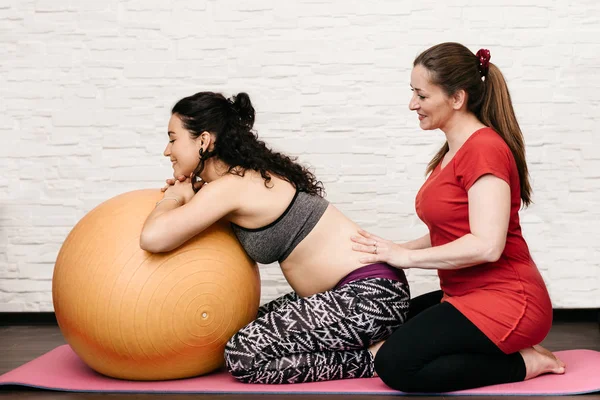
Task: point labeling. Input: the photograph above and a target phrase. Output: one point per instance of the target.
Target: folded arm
(170, 225)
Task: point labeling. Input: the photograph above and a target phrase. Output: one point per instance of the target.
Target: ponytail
(454, 67)
(497, 112)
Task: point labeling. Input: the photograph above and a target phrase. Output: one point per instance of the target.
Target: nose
(413, 104)
(167, 152)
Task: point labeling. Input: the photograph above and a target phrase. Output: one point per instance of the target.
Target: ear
(459, 99)
(204, 141)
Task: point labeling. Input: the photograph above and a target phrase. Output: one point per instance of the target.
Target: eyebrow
(417, 89)
(170, 133)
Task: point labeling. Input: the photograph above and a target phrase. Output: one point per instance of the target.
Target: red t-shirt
(507, 300)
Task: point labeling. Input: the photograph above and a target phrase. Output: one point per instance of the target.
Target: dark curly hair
(236, 144)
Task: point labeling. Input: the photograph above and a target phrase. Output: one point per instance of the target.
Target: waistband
(378, 270)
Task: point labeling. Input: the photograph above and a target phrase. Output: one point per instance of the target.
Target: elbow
(493, 253)
(150, 244)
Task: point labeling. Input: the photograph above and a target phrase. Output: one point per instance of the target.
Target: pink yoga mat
(62, 370)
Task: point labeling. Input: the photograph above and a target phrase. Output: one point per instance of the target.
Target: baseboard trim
(27, 318)
(577, 314)
(48, 318)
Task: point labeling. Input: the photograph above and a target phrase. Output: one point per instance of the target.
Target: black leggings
(439, 350)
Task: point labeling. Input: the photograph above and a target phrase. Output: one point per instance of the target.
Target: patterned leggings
(321, 337)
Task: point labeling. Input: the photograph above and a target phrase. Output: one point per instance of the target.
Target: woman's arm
(171, 224)
(489, 214)
(423, 242)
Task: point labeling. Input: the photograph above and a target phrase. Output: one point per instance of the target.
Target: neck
(214, 169)
(459, 129)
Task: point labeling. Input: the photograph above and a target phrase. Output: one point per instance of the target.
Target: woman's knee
(240, 358)
(243, 358)
(397, 370)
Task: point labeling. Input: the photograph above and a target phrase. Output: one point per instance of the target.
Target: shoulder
(227, 180)
(485, 144)
(227, 187)
(487, 139)
(242, 187)
(485, 152)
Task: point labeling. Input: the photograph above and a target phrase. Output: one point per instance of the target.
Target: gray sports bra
(277, 240)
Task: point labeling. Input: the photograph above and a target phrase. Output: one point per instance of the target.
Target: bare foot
(539, 362)
(547, 352)
(373, 349)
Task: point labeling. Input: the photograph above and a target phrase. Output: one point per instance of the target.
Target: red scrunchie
(484, 61)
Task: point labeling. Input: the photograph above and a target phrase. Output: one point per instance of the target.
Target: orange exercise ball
(135, 315)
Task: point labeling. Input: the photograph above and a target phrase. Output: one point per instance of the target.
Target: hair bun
(243, 107)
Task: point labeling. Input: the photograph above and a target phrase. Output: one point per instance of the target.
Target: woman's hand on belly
(375, 249)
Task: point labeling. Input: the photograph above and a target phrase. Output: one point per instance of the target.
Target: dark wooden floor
(20, 344)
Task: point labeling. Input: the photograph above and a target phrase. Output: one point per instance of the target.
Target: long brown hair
(453, 67)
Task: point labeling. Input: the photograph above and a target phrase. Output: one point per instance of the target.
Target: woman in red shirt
(485, 324)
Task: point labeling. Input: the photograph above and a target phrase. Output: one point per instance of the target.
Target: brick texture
(86, 87)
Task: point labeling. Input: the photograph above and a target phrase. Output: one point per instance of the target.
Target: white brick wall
(86, 87)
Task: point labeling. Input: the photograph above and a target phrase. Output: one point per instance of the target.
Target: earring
(201, 152)
(195, 179)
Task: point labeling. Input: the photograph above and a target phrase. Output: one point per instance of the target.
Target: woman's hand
(171, 182)
(377, 249)
(180, 189)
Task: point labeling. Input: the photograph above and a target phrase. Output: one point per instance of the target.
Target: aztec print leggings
(321, 337)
